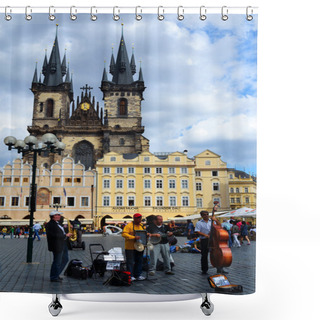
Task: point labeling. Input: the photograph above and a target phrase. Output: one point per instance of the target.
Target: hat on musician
(54, 212)
(137, 215)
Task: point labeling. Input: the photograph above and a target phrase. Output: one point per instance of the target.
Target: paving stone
(18, 276)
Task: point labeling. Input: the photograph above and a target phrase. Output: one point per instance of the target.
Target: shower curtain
(154, 125)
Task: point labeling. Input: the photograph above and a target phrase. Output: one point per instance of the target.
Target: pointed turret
(112, 64)
(140, 75)
(64, 64)
(104, 75)
(122, 73)
(68, 75)
(35, 75)
(71, 83)
(53, 73)
(133, 63)
(45, 64)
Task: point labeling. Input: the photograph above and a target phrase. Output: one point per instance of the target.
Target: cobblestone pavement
(18, 276)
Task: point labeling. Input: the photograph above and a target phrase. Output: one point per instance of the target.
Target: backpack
(76, 270)
(120, 278)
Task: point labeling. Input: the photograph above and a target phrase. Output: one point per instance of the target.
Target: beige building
(242, 189)
(211, 181)
(66, 184)
(169, 184)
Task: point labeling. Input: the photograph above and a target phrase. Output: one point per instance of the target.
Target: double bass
(220, 253)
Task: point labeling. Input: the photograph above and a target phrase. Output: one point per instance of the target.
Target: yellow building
(147, 183)
(211, 181)
(169, 184)
(242, 189)
(66, 184)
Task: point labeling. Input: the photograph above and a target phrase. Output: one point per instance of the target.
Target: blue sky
(200, 77)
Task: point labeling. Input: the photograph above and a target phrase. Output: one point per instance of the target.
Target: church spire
(45, 63)
(35, 75)
(64, 64)
(53, 71)
(104, 74)
(140, 75)
(133, 63)
(121, 70)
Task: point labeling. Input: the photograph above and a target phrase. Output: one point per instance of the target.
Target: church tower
(53, 94)
(122, 104)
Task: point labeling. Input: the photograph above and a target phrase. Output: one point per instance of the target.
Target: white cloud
(200, 76)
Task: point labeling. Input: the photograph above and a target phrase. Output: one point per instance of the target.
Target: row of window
(246, 190)
(147, 201)
(147, 184)
(76, 180)
(146, 170)
(70, 201)
(158, 170)
(238, 200)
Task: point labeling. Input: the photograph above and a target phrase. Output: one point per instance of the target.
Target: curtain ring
(160, 16)
(73, 16)
(249, 17)
(93, 16)
(203, 13)
(138, 16)
(224, 13)
(180, 13)
(116, 17)
(51, 16)
(28, 16)
(8, 17)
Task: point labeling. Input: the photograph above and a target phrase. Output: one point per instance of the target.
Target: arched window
(83, 152)
(123, 104)
(49, 110)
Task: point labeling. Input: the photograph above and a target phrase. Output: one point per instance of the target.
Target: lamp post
(31, 145)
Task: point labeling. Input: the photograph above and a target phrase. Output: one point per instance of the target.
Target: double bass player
(203, 228)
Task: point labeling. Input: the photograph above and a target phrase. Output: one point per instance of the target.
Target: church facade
(88, 129)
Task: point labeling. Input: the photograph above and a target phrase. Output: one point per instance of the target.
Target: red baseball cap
(137, 215)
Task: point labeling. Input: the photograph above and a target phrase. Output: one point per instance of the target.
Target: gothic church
(87, 129)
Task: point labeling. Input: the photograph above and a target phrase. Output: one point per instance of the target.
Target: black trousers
(204, 254)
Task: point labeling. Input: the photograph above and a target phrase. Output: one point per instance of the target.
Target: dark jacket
(55, 237)
(163, 231)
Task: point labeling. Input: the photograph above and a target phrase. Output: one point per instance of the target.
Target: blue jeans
(36, 234)
(230, 239)
(134, 262)
(60, 260)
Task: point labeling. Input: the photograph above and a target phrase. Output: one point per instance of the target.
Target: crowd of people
(23, 231)
(161, 236)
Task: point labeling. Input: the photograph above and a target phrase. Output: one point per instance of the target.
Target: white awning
(193, 216)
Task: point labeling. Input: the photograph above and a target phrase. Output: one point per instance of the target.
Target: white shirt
(203, 227)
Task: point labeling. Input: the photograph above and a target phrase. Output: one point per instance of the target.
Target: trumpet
(72, 231)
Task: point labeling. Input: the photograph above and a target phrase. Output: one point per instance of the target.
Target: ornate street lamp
(31, 145)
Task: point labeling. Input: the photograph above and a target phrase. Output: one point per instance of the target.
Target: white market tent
(193, 216)
(242, 212)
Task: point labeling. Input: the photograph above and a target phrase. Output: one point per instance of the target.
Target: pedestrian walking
(190, 229)
(227, 226)
(4, 232)
(12, 232)
(17, 232)
(244, 232)
(235, 233)
(36, 229)
(57, 244)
